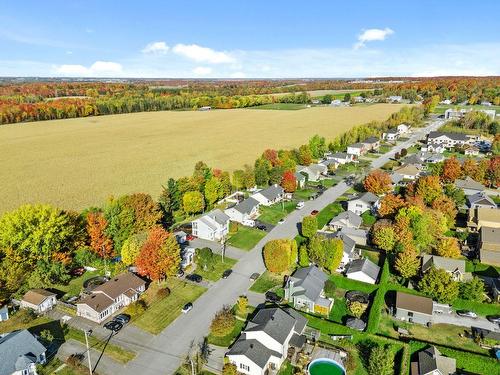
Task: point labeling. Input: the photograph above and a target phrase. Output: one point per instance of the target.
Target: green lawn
(339, 310)
(286, 368)
(74, 287)
(482, 269)
(372, 255)
(246, 238)
(349, 284)
(303, 194)
(368, 219)
(218, 267)
(22, 320)
(384, 148)
(227, 340)
(163, 311)
(266, 281)
(276, 212)
(328, 213)
(479, 308)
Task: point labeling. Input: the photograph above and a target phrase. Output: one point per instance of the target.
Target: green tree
(213, 189)
(381, 360)
(317, 145)
(309, 226)
(327, 253)
(193, 202)
(239, 179)
(204, 258)
(439, 285)
(303, 256)
(305, 155)
(383, 235)
(120, 221)
(472, 290)
(131, 248)
(347, 97)
(429, 188)
(407, 263)
(261, 171)
(229, 369)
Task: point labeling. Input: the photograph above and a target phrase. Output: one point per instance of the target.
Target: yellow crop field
(80, 162)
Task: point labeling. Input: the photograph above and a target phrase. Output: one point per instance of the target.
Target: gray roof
(392, 131)
(469, 183)
(364, 265)
(448, 264)
(277, 323)
(357, 145)
(253, 350)
(217, 215)
(272, 192)
(349, 243)
(455, 136)
(430, 360)
(355, 323)
(339, 155)
(300, 177)
(367, 197)
(490, 235)
(18, 348)
(311, 279)
(481, 199)
(354, 219)
(371, 140)
(247, 205)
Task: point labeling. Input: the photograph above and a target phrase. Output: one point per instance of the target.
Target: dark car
(78, 271)
(187, 307)
(180, 273)
(113, 325)
(494, 318)
(272, 297)
(194, 277)
(314, 212)
(254, 276)
(122, 318)
(226, 273)
(261, 227)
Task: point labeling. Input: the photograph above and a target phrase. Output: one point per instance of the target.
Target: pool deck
(336, 356)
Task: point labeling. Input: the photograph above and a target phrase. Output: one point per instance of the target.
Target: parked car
(248, 223)
(254, 276)
(314, 212)
(300, 205)
(122, 318)
(77, 271)
(180, 273)
(194, 277)
(281, 221)
(494, 318)
(187, 307)
(261, 227)
(226, 273)
(113, 325)
(190, 237)
(467, 314)
(272, 297)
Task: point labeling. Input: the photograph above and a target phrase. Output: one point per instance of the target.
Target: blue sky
(247, 39)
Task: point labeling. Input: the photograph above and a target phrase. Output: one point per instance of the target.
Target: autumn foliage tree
(147, 212)
(159, 256)
(289, 182)
(223, 322)
(407, 263)
(383, 235)
(100, 243)
(390, 205)
(280, 254)
(193, 202)
(451, 170)
(448, 247)
(447, 207)
(378, 182)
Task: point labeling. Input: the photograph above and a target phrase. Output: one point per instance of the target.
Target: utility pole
(223, 247)
(88, 333)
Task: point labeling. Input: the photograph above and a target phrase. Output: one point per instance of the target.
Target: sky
(248, 39)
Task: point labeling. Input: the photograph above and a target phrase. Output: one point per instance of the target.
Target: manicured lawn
(276, 212)
(21, 320)
(368, 219)
(74, 287)
(303, 194)
(266, 281)
(163, 311)
(328, 213)
(246, 238)
(481, 269)
(281, 106)
(227, 340)
(218, 267)
(348, 284)
(384, 148)
(372, 255)
(339, 310)
(286, 368)
(479, 308)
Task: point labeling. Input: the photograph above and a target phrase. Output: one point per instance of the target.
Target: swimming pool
(325, 366)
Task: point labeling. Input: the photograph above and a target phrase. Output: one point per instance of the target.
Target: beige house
(488, 217)
(489, 245)
(110, 297)
(455, 267)
(40, 300)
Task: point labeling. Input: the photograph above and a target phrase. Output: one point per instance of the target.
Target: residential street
(163, 354)
(456, 320)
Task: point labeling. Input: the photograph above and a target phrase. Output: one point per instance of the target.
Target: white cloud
(370, 35)
(202, 70)
(237, 75)
(202, 54)
(97, 69)
(158, 48)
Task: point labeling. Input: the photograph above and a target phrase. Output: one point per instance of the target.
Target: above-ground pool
(325, 366)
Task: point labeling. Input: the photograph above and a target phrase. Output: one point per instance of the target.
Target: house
(187, 256)
(489, 245)
(20, 352)
(391, 135)
(305, 290)
(471, 151)
(340, 157)
(245, 210)
(414, 309)
(363, 270)
(454, 114)
(345, 219)
(313, 171)
(408, 172)
(469, 186)
(350, 252)
(272, 194)
(357, 149)
(403, 129)
(301, 179)
(434, 158)
(263, 346)
(455, 267)
(336, 103)
(479, 217)
(39, 300)
(359, 236)
(205, 108)
(110, 297)
(431, 362)
(445, 102)
(212, 226)
(480, 200)
(359, 99)
(486, 104)
(4, 313)
(365, 202)
(395, 98)
(372, 144)
(436, 148)
(448, 139)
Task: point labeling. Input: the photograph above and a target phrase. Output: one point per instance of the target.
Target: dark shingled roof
(430, 360)
(275, 322)
(272, 192)
(312, 279)
(455, 136)
(414, 303)
(18, 349)
(247, 205)
(253, 350)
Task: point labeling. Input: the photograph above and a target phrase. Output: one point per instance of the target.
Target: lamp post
(88, 333)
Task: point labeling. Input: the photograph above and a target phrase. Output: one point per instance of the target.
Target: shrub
(242, 304)
(223, 322)
(330, 288)
(163, 293)
(233, 227)
(137, 308)
(229, 369)
(309, 226)
(357, 308)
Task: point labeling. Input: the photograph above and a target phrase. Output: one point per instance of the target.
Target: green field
(440, 109)
(80, 162)
(246, 238)
(218, 267)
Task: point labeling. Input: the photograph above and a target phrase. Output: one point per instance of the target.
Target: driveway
(174, 343)
(456, 320)
(231, 252)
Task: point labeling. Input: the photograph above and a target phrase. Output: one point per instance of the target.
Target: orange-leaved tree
(378, 182)
(100, 243)
(289, 182)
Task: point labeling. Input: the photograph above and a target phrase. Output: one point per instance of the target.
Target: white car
(300, 205)
(248, 223)
(187, 307)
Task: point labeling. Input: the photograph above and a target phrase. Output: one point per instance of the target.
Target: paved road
(163, 353)
(456, 320)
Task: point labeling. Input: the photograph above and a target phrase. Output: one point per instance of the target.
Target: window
(410, 314)
(244, 367)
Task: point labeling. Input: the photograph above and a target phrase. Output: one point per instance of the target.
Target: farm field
(80, 162)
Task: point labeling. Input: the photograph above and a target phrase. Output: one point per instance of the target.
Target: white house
(480, 200)
(365, 202)
(246, 210)
(407, 172)
(448, 139)
(436, 148)
(340, 157)
(40, 300)
(273, 194)
(391, 135)
(453, 114)
(395, 98)
(187, 256)
(336, 103)
(363, 270)
(357, 149)
(445, 102)
(20, 353)
(107, 298)
(403, 129)
(486, 104)
(212, 226)
(263, 346)
(313, 171)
